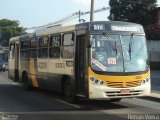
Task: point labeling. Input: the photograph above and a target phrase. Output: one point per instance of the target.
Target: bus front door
(80, 65)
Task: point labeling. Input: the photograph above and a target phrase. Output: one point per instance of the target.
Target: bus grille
(119, 94)
(123, 84)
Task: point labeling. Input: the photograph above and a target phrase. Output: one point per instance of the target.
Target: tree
(8, 29)
(137, 11)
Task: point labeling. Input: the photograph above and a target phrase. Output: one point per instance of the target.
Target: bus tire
(69, 93)
(25, 83)
(115, 100)
(16, 78)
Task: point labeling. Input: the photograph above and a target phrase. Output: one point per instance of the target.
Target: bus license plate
(124, 91)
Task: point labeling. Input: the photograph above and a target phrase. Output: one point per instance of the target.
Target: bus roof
(96, 26)
(14, 39)
(110, 22)
(17, 38)
(26, 36)
(110, 26)
(54, 29)
(117, 26)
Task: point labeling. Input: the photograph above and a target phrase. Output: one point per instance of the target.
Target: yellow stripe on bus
(118, 78)
(33, 72)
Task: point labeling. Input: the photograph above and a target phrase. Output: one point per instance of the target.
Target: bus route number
(60, 65)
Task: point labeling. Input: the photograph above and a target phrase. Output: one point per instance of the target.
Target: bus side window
(24, 49)
(33, 47)
(54, 46)
(43, 47)
(12, 50)
(68, 49)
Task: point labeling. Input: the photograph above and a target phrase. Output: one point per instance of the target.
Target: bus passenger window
(33, 53)
(43, 53)
(54, 48)
(43, 47)
(24, 49)
(33, 47)
(68, 49)
(24, 54)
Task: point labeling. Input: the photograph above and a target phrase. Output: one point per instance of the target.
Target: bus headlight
(145, 80)
(96, 81)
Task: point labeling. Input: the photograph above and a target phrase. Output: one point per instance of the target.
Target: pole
(92, 11)
(79, 16)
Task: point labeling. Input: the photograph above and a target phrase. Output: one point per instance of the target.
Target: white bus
(93, 60)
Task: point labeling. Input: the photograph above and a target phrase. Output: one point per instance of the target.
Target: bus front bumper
(104, 92)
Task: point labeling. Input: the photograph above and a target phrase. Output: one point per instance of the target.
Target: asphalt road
(46, 105)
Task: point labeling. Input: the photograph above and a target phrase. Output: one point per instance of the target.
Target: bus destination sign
(106, 27)
(126, 28)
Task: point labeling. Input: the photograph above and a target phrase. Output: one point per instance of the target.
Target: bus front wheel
(69, 92)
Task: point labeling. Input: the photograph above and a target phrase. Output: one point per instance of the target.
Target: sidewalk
(155, 74)
(155, 94)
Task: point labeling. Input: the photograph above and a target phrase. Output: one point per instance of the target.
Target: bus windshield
(118, 53)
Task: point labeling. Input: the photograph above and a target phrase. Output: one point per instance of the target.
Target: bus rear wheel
(69, 92)
(25, 83)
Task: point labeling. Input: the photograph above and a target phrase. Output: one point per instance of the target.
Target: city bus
(101, 60)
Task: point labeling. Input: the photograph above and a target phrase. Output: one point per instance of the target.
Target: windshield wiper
(114, 47)
(130, 46)
(130, 50)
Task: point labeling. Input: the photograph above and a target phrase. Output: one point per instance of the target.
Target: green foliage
(137, 11)
(8, 29)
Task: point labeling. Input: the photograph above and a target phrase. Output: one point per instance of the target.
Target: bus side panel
(54, 82)
(57, 69)
(42, 73)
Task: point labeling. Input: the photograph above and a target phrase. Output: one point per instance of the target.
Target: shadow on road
(15, 99)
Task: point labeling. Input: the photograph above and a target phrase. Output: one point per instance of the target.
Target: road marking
(52, 112)
(68, 103)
